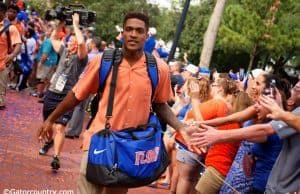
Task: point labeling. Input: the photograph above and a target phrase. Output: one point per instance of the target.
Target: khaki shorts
(210, 181)
(3, 84)
(44, 72)
(86, 187)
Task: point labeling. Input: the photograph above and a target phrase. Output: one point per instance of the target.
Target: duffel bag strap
(113, 82)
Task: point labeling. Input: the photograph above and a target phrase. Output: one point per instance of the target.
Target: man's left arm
(165, 113)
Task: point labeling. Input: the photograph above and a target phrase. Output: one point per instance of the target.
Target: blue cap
(22, 16)
(233, 76)
(204, 70)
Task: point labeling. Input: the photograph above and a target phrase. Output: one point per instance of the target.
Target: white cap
(192, 68)
(152, 31)
(91, 28)
(171, 63)
(257, 72)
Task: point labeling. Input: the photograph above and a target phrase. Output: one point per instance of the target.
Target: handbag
(131, 157)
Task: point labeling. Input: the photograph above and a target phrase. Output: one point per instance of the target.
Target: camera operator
(73, 59)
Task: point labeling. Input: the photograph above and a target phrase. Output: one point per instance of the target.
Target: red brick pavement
(21, 166)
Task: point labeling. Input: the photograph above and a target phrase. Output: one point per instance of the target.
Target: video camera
(86, 17)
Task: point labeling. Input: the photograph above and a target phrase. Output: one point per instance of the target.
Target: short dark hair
(30, 32)
(97, 41)
(14, 7)
(137, 15)
(3, 7)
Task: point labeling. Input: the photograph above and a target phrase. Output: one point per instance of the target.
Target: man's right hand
(9, 59)
(44, 131)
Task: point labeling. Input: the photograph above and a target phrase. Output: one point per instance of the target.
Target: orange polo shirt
(15, 38)
(132, 95)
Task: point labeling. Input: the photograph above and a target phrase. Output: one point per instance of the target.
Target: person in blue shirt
(150, 43)
(46, 61)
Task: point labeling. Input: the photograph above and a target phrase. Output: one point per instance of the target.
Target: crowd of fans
(240, 147)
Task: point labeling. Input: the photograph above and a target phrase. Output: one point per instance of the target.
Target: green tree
(263, 31)
(108, 13)
(195, 25)
(111, 13)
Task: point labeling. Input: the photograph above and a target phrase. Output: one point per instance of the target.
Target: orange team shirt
(15, 39)
(132, 95)
(219, 156)
(19, 26)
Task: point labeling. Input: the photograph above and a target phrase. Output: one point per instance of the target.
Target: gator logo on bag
(146, 157)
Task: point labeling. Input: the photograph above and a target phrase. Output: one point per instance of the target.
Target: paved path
(21, 167)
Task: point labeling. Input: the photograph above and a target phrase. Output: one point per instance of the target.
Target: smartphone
(251, 74)
(241, 74)
(271, 91)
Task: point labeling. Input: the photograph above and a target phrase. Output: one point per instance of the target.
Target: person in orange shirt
(219, 158)
(12, 13)
(20, 4)
(132, 102)
(14, 42)
(14, 72)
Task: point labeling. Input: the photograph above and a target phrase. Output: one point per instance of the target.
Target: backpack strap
(105, 67)
(6, 30)
(107, 61)
(152, 72)
(116, 62)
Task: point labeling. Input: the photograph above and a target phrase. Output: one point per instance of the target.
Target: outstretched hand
(186, 132)
(76, 19)
(270, 104)
(207, 136)
(194, 89)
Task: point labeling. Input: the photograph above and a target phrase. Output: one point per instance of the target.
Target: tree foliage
(246, 24)
(191, 40)
(250, 23)
(111, 13)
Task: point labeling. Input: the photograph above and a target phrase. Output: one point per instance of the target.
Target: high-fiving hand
(205, 136)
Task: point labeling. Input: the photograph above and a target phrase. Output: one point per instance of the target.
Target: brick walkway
(21, 166)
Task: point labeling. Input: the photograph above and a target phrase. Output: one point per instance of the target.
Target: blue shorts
(51, 101)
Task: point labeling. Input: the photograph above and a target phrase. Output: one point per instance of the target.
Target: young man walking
(132, 99)
(10, 41)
